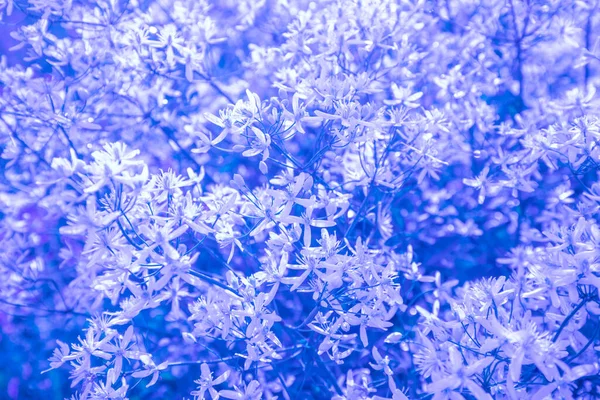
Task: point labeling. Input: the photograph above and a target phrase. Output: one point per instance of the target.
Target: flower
(164, 166)
(460, 376)
(308, 221)
(252, 391)
(150, 368)
(121, 349)
(207, 383)
(404, 96)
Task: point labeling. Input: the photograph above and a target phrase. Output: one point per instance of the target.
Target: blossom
(121, 350)
(461, 376)
(251, 392)
(164, 165)
(308, 221)
(207, 383)
(404, 97)
(150, 368)
(161, 236)
(479, 183)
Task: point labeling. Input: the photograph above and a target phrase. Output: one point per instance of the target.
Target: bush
(337, 199)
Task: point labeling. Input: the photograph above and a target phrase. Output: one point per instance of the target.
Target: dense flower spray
(332, 199)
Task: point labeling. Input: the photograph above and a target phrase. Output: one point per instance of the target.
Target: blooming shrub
(337, 199)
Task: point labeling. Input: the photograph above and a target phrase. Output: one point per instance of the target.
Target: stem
(566, 320)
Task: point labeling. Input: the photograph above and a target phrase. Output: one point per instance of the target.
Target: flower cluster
(333, 199)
